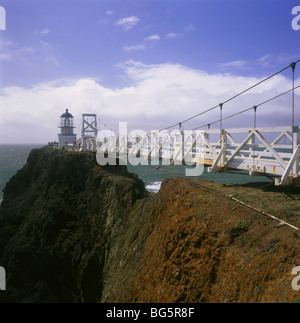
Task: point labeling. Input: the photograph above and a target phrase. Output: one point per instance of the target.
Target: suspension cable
(248, 109)
(105, 125)
(293, 66)
(230, 99)
(221, 119)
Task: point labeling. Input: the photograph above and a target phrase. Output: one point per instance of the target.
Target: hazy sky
(151, 63)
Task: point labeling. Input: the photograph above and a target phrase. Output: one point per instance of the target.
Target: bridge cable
(248, 109)
(221, 119)
(105, 125)
(230, 99)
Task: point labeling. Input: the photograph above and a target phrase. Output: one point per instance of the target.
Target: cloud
(26, 50)
(267, 61)
(12, 51)
(5, 57)
(235, 64)
(45, 46)
(173, 35)
(155, 96)
(5, 44)
(134, 48)
(48, 53)
(128, 23)
(106, 20)
(52, 59)
(238, 63)
(43, 31)
(153, 37)
(142, 46)
(270, 60)
(189, 28)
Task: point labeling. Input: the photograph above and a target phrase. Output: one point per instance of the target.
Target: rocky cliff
(72, 231)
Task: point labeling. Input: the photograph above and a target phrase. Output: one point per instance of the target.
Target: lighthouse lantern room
(66, 138)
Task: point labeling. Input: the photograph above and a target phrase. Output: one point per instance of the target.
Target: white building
(66, 138)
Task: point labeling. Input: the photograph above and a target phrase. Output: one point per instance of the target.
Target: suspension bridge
(267, 151)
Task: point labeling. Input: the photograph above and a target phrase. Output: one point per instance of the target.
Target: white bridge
(260, 151)
(266, 151)
(270, 151)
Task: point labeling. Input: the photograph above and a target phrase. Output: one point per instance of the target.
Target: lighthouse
(66, 138)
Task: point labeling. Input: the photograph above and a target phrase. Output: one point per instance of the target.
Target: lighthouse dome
(66, 114)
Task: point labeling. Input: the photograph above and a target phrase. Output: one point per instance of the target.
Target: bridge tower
(66, 138)
(89, 128)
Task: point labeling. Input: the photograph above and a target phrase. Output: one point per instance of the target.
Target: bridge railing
(272, 151)
(268, 151)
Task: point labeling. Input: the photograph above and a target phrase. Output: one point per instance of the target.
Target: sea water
(14, 157)
(153, 177)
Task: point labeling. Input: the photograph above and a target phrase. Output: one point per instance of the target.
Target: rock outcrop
(60, 219)
(72, 231)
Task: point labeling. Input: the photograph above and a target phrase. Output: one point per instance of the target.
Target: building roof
(66, 114)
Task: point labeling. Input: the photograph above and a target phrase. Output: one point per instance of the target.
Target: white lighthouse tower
(66, 138)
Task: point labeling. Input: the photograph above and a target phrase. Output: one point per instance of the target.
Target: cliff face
(72, 231)
(59, 218)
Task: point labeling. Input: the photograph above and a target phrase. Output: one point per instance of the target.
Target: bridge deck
(267, 151)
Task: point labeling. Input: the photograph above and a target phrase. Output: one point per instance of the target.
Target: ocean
(153, 177)
(14, 157)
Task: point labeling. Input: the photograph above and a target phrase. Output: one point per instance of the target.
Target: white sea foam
(153, 187)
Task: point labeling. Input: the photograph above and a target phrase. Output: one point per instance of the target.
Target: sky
(150, 63)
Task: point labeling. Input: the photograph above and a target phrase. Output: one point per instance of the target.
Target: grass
(240, 227)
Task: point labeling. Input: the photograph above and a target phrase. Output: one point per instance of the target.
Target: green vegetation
(240, 227)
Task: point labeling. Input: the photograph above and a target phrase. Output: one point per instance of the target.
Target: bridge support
(264, 158)
(89, 130)
(291, 173)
